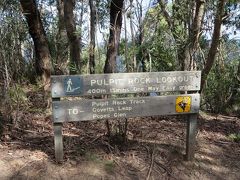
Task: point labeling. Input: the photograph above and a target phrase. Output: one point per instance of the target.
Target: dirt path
(155, 150)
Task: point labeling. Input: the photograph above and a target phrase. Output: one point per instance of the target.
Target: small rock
(72, 162)
(7, 137)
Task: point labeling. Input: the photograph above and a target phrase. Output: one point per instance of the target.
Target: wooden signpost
(126, 83)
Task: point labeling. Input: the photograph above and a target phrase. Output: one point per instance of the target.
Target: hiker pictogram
(72, 85)
(69, 85)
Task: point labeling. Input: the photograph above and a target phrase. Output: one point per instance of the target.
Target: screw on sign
(183, 104)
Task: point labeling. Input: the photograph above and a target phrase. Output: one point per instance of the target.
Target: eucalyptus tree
(215, 40)
(186, 25)
(35, 26)
(185, 22)
(130, 15)
(61, 41)
(116, 8)
(73, 37)
(92, 5)
(140, 34)
(231, 44)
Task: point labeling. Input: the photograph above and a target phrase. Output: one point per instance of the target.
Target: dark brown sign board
(123, 83)
(94, 109)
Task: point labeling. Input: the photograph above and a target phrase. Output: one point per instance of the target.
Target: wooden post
(191, 136)
(58, 142)
(58, 139)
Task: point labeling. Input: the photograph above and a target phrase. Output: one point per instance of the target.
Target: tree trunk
(192, 43)
(141, 54)
(236, 85)
(80, 22)
(92, 36)
(134, 59)
(126, 41)
(35, 26)
(114, 37)
(215, 42)
(62, 44)
(113, 44)
(73, 38)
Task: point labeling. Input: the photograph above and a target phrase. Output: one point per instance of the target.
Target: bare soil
(154, 149)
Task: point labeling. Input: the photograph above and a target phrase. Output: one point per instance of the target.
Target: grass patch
(234, 137)
(92, 157)
(109, 166)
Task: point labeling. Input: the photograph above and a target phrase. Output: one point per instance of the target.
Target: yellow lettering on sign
(183, 104)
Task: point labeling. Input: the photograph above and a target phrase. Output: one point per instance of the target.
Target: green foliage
(100, 58)
(17, 97)
(220, 94)
(84, 59)
(217, 90)
(73, 68)
(160, 47)
(12, 32)
(234, 137)
(162, 51)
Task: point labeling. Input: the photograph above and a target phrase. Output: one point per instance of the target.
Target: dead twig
(26, 130)
(223, 142)
(110, 148)
(151, 165)
(95, 139)
(163, 167)
(14, 142)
